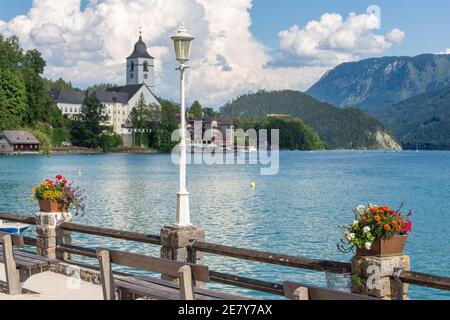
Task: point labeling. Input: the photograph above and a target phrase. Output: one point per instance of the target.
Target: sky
(241, 45)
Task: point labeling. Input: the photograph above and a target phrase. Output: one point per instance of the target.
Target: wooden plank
(425, 280)
(150, 290)
(112, 233)
(16, 239)
(17, 218)
(243, 282)
(198, 291)
(30, 262)
(315, 293)
(163, 290)
(20, 262)
(12, 274)
(186, 283)
(19, 253)
(272, 258)
(163, 266)
(107, 277)
(76, 250)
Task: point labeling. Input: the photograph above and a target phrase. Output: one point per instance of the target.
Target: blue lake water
(296, 212)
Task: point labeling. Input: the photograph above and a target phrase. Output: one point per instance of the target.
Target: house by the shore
(18, 142)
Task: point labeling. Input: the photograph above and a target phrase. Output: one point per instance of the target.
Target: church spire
(140, 48)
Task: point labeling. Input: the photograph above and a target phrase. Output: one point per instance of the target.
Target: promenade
(51, 286)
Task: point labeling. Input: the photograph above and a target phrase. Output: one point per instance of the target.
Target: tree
(33, 59)
(196, 110)
(11, 54)
(87, 129)
(29, 67)
(13, 100)
(210, 113)
(60, 84)
(169, 122)
(145, 116)
(101, 87)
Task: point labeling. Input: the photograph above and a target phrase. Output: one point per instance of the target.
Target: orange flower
(377, 218)
(387, 227)
(380, 223)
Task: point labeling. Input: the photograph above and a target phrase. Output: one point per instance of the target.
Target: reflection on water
(295, 212)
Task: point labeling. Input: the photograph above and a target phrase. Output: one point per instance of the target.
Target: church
(119, 101)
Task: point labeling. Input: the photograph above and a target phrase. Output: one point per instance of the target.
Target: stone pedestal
(64, 237)
(176, 243)
(373, 276)
(48, 234)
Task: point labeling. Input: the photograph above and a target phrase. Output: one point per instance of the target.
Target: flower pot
(385, 248)
(52, 206)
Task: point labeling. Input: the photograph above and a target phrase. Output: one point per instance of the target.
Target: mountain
(378, 82)
(422, 121)
(338, 128)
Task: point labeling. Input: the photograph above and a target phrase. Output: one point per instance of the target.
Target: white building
(119, 101)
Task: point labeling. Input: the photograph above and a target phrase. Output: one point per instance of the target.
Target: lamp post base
(176, 244)
(183, 214)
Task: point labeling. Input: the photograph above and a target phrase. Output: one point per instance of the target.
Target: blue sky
(426, 23)
(241, 45)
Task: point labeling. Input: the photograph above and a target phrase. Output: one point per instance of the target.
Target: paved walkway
(52, 286)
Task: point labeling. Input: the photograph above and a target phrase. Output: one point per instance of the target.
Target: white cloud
(333, 40)
(90, 46)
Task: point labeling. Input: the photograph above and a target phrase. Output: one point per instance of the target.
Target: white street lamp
(182, 41)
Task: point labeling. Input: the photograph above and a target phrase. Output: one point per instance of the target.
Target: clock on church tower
(141, 66)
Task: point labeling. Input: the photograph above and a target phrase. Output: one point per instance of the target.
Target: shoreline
(143, 152)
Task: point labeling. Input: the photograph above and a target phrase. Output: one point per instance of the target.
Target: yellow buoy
(79, 173)
(253, 185)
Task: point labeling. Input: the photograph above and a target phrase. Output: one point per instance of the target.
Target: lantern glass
(182, 49)
(182, 42)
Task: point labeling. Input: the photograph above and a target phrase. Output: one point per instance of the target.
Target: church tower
(141, 66)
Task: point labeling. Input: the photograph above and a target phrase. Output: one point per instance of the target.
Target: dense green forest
(293, 133)
(338, 128)
(422, 121)
(24, 98)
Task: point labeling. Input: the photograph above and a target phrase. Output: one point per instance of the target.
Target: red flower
(407, 227)
(59, 177)
(64, 181)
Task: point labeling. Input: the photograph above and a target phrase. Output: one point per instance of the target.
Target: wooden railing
(414, 278)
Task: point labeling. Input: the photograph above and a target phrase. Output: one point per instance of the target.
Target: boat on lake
(14, 228)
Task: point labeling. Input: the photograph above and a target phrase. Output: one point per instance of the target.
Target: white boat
(14, 228)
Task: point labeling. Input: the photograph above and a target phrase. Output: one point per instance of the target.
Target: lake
(295, 212)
